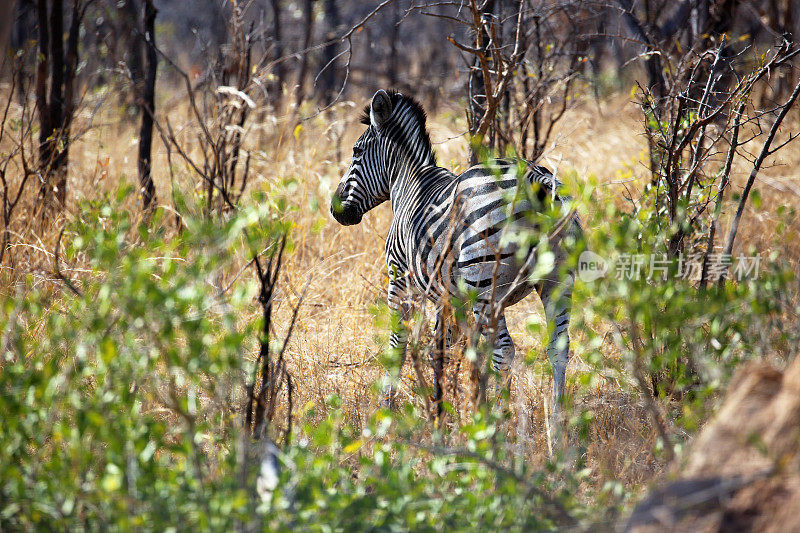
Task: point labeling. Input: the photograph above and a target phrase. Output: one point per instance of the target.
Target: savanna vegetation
(189, 341)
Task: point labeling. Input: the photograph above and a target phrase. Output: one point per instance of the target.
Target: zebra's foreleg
(556, 297)
(397, 344)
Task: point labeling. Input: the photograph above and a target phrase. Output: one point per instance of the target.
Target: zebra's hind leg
(556, 297)
(502, 358)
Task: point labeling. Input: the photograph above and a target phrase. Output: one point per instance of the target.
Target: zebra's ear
(381, 108)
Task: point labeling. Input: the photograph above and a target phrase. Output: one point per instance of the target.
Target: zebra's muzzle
(345, 213)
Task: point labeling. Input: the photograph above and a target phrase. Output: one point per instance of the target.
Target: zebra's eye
(357, 151)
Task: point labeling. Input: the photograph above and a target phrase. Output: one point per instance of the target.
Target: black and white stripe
(449, 229)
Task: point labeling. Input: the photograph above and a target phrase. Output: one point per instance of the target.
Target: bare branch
(67, 282)
(765, 151)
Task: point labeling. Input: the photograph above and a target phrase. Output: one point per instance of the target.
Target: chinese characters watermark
(592, 266)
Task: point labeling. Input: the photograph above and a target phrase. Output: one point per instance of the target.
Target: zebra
(450, 232)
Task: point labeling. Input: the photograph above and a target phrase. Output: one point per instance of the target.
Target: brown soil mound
(742, 472)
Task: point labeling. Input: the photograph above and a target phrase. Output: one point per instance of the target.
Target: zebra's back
(468, 230)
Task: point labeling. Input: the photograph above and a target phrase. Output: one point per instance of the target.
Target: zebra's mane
(417, 111)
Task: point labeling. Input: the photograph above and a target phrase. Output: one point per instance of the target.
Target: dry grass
(335, 345)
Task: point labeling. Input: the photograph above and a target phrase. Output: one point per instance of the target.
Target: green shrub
(678, 341)
(119, 402)
(122, 404)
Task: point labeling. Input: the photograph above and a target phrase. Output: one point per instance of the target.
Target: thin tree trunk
(782, 23)
(655, 74)
(477, 87)
(280, 70)
(45, 119)
(301, 75)
(56, 108)
(328, 78)
(23, 32)
(70, 71)
(148, 108)
(136, 46)
(56, 98)
(393, 52)
(6, 22)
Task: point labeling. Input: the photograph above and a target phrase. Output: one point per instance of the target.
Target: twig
(58, 273)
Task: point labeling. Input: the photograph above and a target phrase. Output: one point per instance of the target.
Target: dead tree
(648, 37)
(782, 21)
(55, 70)
(148, 109)
(523, 61)
(261, 402)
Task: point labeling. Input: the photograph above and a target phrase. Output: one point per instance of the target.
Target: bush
(119, 400)
(122, 407)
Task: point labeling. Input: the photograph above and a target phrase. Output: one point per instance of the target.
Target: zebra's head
(395, 138)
